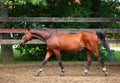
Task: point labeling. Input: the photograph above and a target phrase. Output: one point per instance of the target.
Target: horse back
(89, 35)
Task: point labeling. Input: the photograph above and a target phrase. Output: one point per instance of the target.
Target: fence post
(7, 52)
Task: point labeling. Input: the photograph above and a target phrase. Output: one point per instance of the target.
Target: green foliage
(116, 55)
(37, 52)
(65, 8)
(31, 52)
(24, 2)
(60, 8)
(109, 8)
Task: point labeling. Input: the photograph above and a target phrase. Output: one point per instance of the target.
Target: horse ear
(27, 31)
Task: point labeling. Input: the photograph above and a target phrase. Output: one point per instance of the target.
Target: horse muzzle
(21, 42)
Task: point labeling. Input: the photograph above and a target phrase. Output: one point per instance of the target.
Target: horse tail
(101, 36)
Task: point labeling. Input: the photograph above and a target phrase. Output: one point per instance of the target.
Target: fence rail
(56, 19)
(35, 41)
(13, 30)
(67, 30)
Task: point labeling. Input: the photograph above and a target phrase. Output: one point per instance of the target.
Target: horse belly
(71, 47)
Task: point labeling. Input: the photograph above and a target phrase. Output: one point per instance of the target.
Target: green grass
(16, 54)
(117, 55)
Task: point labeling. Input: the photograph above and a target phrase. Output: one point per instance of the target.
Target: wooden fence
(55, 19)
(35, 41)
(6, 57)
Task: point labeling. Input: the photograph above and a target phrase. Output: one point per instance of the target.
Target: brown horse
(58, 41)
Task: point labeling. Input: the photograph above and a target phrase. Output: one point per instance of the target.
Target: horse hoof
(36, 75)
(62, 74)
(106, 74)
(84, 73)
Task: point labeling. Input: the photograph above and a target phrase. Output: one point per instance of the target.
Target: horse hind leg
(103, 66)
(100, 59)
(88, 63)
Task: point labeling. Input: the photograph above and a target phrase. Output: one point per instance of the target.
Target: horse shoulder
(52, 42)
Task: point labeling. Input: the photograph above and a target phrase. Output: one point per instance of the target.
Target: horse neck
(43, 36)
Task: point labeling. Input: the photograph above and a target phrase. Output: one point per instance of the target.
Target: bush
(37, 52)
(32, 52)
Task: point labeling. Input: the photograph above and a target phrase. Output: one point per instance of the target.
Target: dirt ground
(51, 74)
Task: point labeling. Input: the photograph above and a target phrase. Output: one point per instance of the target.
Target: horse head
(40, 33)
(27, 37)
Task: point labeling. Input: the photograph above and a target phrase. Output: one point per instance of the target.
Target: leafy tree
(24, 2)
(60, 8)
(109, 8)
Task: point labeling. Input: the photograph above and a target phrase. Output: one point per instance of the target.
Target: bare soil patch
(51, 74)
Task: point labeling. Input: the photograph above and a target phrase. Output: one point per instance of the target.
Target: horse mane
(58, 32)
(40, 28)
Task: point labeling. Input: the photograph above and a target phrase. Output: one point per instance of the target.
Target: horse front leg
(61, 66)
(48, 54)
(57, 54)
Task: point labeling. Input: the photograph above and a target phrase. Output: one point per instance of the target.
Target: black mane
(40, 28)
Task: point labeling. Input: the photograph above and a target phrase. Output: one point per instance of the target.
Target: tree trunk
(7, 51)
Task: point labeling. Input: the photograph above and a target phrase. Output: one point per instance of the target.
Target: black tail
(105, 45)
